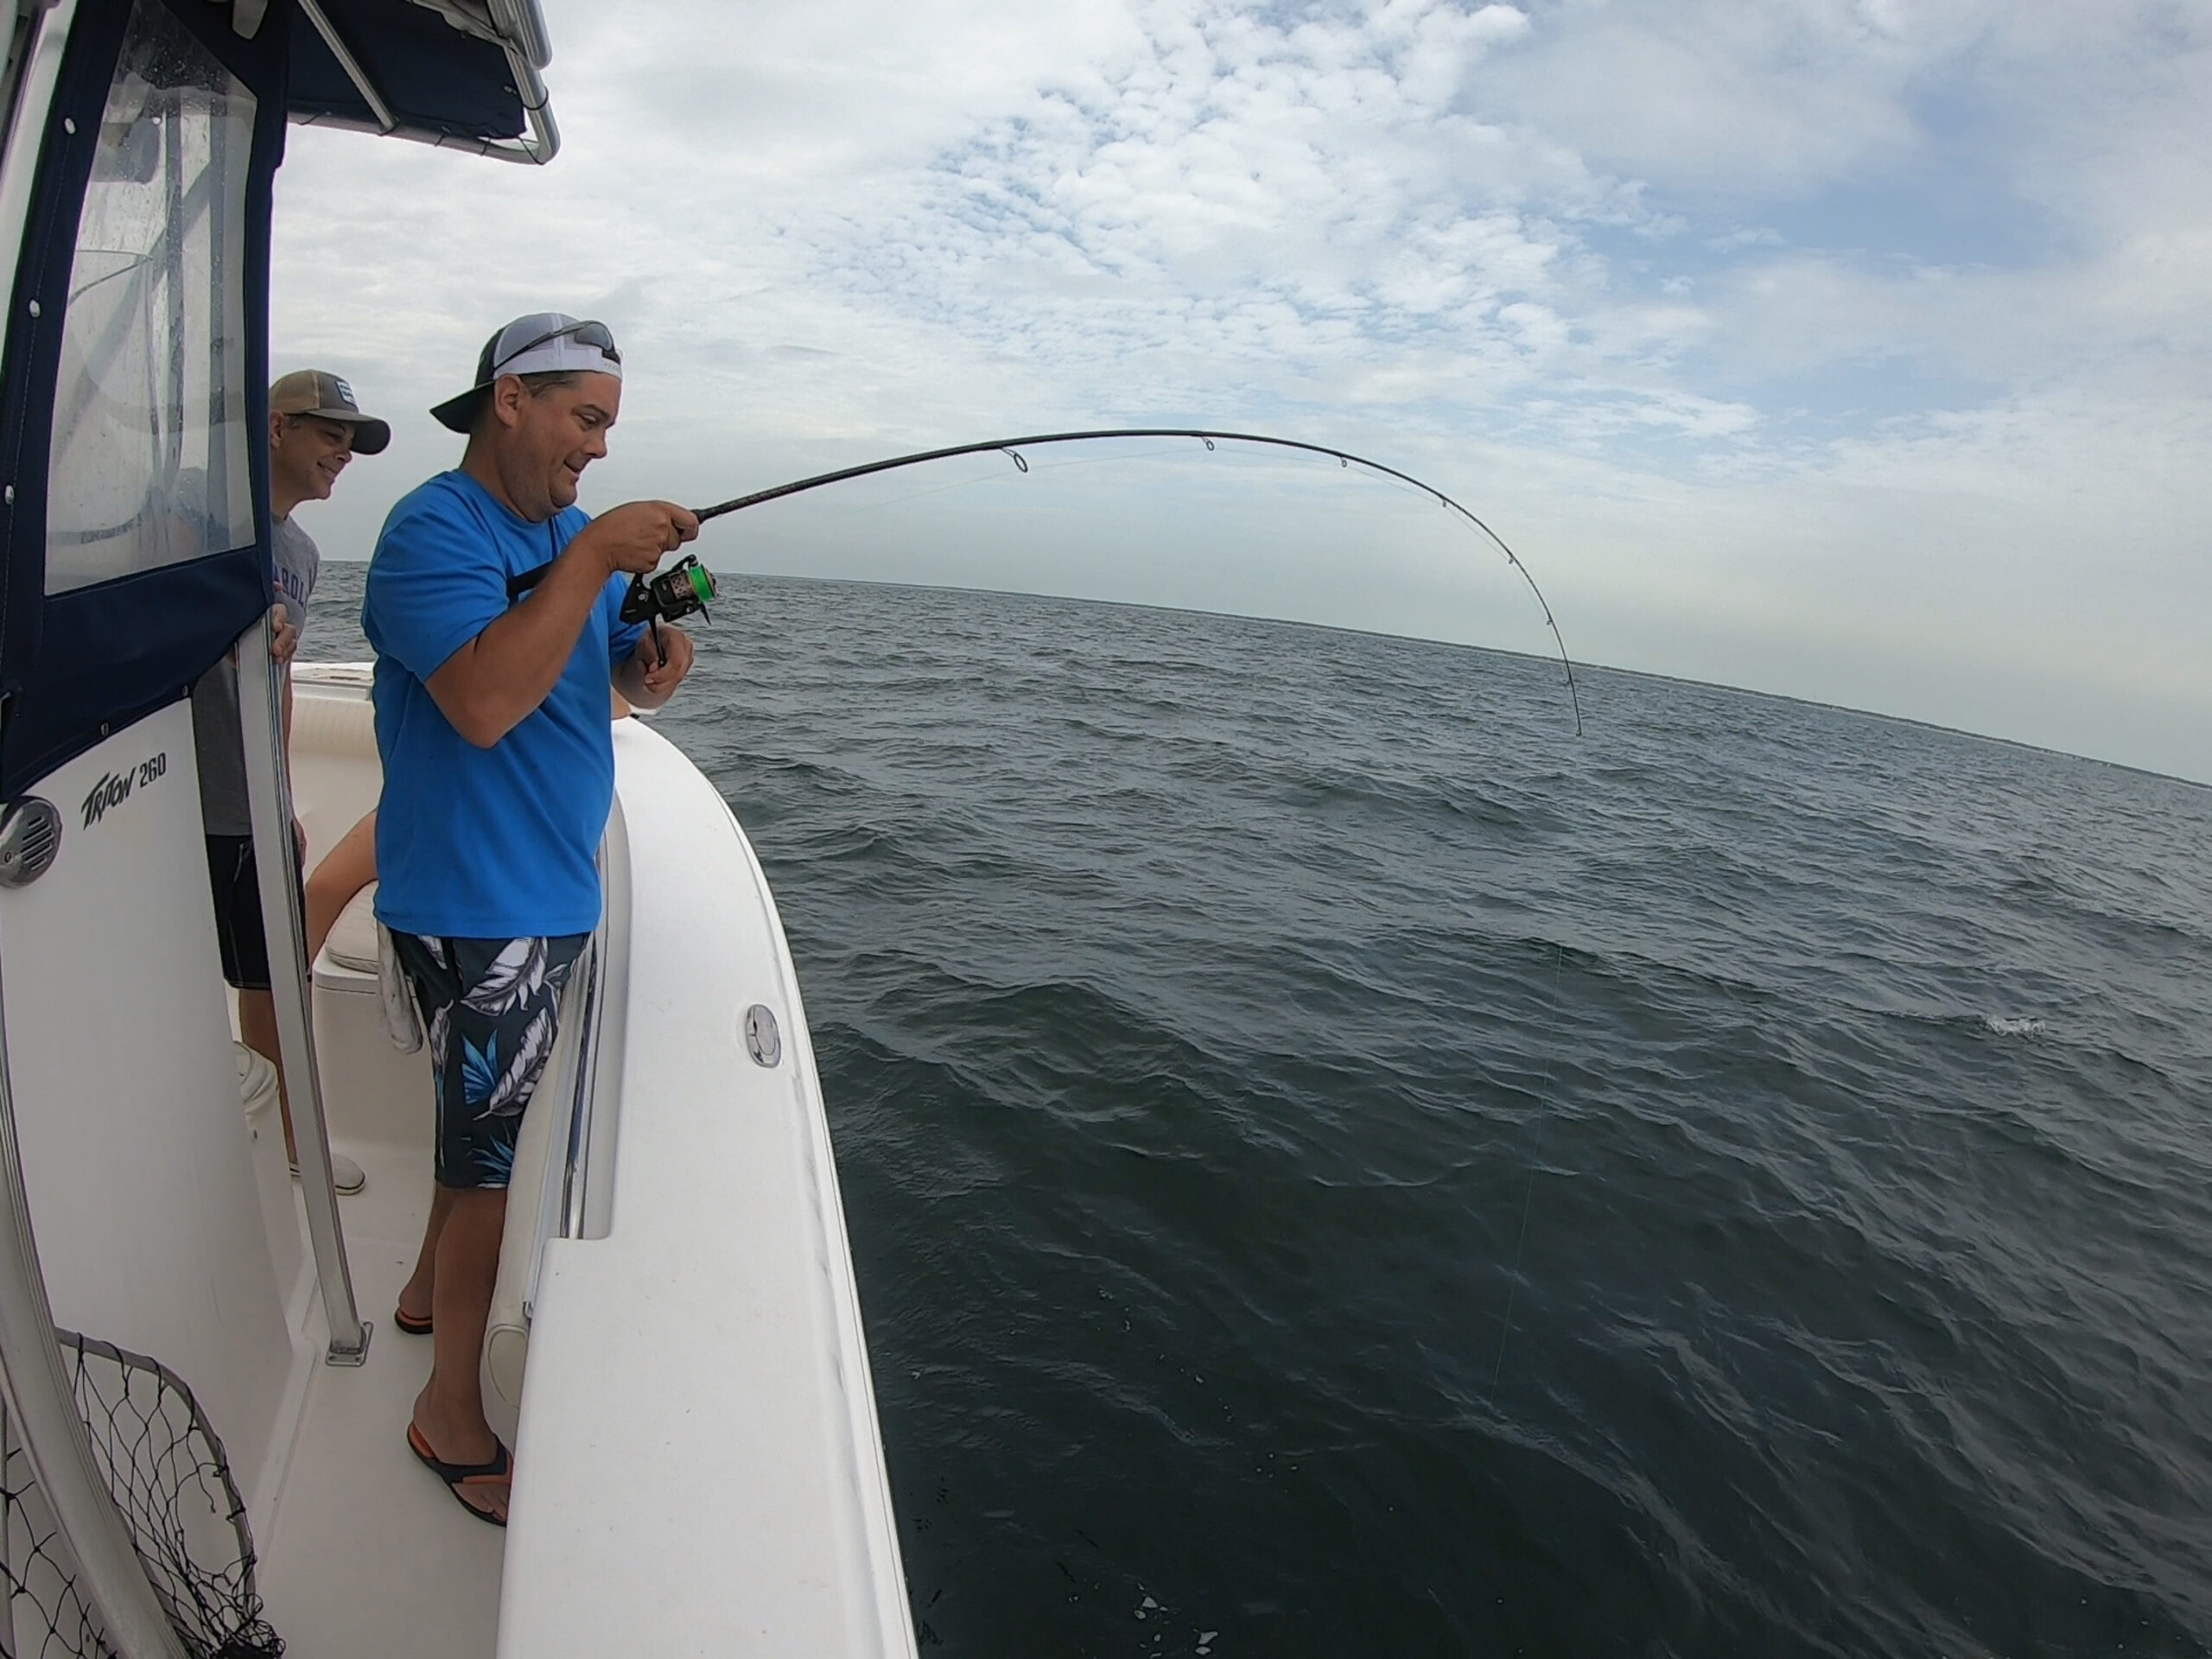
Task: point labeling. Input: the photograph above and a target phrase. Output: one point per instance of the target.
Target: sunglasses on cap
(593, 334)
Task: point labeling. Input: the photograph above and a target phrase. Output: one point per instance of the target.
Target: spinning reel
(683, 588)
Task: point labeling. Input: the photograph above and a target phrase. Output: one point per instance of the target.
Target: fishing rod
(689, 586)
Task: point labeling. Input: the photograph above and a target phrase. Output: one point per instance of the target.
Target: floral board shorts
(491, 1007)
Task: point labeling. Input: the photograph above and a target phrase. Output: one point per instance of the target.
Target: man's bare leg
(416, 1296)
(449, 1412)
(257, 1030)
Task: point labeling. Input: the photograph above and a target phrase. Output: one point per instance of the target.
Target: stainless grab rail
(607, 982)
(570, 1221)
(269, 793)
(587, 1189)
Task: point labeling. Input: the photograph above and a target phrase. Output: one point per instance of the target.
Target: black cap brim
(459, 413)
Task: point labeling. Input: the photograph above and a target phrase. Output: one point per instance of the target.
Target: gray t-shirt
(215, 731)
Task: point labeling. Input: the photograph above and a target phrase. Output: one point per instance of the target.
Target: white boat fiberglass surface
(216, 1436)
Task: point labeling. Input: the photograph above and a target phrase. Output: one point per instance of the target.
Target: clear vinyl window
(149, 463)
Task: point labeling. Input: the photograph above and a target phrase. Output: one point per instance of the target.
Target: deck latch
(762, 1040)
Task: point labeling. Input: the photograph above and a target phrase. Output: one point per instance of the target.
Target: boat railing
(571, 1195)
(269, 795)
(588, 1173)
(568, 1224)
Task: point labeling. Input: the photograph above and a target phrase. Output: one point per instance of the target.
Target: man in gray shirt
(315, 428)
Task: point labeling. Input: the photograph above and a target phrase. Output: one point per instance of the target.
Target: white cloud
(1734, 100)
(1611, 272)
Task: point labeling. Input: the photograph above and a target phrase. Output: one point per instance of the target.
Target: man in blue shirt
(493, 604)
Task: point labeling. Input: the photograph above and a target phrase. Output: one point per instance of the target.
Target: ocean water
(1338, 1165)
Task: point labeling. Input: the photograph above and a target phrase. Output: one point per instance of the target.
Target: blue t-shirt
(483, 844)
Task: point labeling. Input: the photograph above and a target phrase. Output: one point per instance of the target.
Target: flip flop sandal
(459, 1475)
(413, 1327)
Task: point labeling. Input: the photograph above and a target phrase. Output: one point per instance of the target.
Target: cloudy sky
(1859, 350)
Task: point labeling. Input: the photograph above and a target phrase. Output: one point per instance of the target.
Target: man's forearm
(496, 681)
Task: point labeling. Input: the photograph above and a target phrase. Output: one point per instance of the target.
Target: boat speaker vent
(30, 835)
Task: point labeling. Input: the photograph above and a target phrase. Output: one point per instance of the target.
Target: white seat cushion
(353, 941)
(343, 726)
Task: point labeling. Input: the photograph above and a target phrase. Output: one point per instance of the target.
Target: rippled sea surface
(1338, 1165)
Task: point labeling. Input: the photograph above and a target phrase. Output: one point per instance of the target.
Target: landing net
(172, 1481)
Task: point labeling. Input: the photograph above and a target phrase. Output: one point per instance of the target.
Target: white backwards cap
(544, 342)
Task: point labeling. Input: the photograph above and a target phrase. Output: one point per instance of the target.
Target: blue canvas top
(75, 665)
(435, 80)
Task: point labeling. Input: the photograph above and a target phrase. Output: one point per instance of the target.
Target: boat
(205, 1400)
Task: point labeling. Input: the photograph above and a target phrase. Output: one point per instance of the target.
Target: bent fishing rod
(690, 588)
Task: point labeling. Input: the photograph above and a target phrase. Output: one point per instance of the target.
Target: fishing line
(1012, 449)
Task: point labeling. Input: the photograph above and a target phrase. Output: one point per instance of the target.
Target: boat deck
(368, 1555)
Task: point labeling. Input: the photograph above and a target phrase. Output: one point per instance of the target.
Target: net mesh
(44, 1614)
(172, 1483)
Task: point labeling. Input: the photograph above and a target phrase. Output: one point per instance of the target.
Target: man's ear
(508, 394)
(276, 430)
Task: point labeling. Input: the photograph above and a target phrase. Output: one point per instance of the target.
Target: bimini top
(138, 142)
(459, 72)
